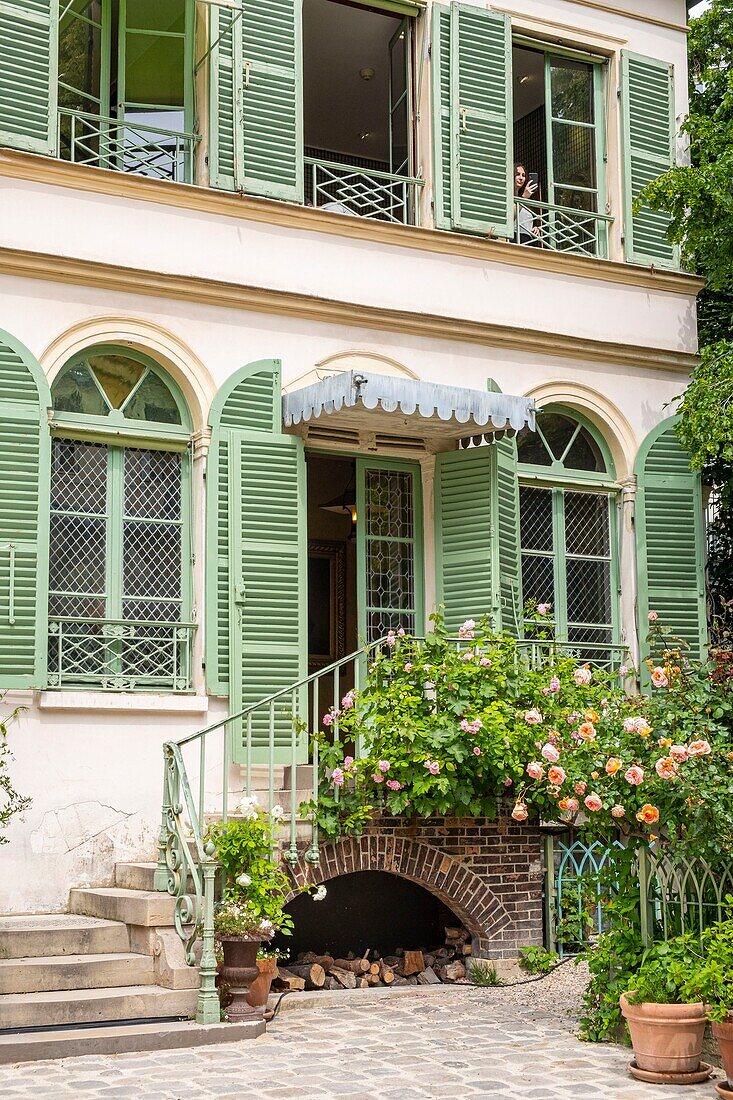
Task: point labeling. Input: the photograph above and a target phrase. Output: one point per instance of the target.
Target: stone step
(57, 972)
(135, 876)
(84, 1006)
(34, 935)
(122, 1039)
(148, 908)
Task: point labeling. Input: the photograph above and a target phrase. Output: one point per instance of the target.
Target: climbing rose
(485, 662)
(401, 632)
(535, 770)
(629, 725)
(319, 893)
(408, 667)
(582, 676)
(554, 684)
(520, 812)
(678, 753)
(328, 719)
(249, 807)
(653, 616)
(391, 638)
(533, 717)
(468, 655)
(394, 784)
(659, 677)
(348, 761)
(383, 765)
(593, 802)
(467, 630)
(556, 775)
(348, 700)
(666, 768)
(471, 727)
(378, 777)
(623, 673)
(337, 777)
(244, 880)
(612, 765)
(580, 788)
(617, 811)
(587, 731)
(648, 814)
(698, 748)
(550, 753)
(433, 766)
(635, 775)
(569, 805)
(543, 608)
(476, 750)
(277, 813)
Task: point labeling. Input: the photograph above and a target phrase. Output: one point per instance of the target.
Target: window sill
(122, 702)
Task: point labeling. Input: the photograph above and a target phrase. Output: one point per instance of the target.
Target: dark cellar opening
(367, 910)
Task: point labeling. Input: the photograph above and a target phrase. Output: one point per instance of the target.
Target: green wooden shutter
(440, 60)
(670, 540)
(24, 516)
(272, 124)
(509, 556)
(29, 75)
(225, 75)
(463, 535)
(257, 555)
(648, 134)
(481, 139)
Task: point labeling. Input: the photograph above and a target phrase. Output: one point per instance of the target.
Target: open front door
(389, 547)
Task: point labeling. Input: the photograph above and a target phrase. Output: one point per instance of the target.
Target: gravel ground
(557, 995)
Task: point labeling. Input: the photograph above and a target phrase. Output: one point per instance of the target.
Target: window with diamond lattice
(118, 583)
(568, 543)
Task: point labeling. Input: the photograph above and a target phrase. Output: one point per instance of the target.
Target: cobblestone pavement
(462, 1043)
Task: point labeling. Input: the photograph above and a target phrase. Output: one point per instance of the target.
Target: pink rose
(666, 768)
(348, 700)
(532, 717)
(634, 775)
(520, 812)
(378, 777)
(328, 719)
(659, 677)
(468, 655)
(629, 725)
(569, 805)
(383, 765)
(535, 770)
(401, 632)
(623, 673)
(543, 608)
(394, 785)
(433, 766)
(653, 616)
(508, 782)
(556, 775)
(545, 691)
(593, 802)
(582, 676)
(678, 753)
(550, 753)
(337, 777)
(476, 750)
(580, 788)
(554, 685)
(467, 630)
(485, 662)
(617, 811)
(408, 667)
(348, 761)
(698, 748)
(391, 638)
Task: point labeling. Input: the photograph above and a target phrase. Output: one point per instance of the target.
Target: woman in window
(527, 232)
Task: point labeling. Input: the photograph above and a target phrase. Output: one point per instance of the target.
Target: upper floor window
(567, 532)
(120, 549)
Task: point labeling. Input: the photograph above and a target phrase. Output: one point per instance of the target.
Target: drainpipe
(627, 566)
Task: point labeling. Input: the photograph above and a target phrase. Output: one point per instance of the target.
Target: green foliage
(537, 960)
(235, 917)
(668, 973)
(713, 981)
(483, 973)
(11, 802)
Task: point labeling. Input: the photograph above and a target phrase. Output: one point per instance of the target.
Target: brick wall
(488, 872)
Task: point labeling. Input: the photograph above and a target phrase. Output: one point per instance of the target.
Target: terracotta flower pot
(666, 1038)
(239, 971)
(259, 991)
(724, 1037)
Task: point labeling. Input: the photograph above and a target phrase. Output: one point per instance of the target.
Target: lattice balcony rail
(126, 146)
(361, 192)
(561, 228)
(120, 655)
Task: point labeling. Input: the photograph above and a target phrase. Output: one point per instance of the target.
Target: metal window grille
(390, 552)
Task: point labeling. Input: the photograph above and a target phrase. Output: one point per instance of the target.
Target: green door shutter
(509, 558)
(24, 516)
(670, 540)
(440, 61)
(272, 140)
(463, 535)
(224, 97)
(481, 138)
(648, 134)
(257, 555)
(29, 75)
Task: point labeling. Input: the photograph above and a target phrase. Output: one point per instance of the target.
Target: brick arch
(470, 898)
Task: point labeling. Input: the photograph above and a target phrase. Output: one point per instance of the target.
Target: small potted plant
(714, 981)
(259, 991)
(665, 1015)
(240, 931)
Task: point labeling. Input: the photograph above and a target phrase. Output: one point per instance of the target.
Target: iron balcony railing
(361, 192)
(120, 654)
(560, 228)
(539, 651)
(126, 146)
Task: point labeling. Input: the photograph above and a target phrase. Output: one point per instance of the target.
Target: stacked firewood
(446, 963)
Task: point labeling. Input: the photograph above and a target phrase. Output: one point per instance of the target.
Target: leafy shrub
(668, 973)
(537, 960)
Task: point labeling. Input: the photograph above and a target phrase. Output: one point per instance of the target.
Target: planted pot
(666, 1038)
(240, 971)
(724, 1037)
(259, 991)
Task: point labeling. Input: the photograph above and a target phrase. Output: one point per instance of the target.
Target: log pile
(439, 965)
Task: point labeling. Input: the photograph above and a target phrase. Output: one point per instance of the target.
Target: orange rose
(612, 765)
(587, 731)
(591, 716)
(648, 814)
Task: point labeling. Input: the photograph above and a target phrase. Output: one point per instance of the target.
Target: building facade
(285, 362)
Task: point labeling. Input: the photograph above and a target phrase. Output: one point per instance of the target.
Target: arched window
(568, 534)
(120, 553)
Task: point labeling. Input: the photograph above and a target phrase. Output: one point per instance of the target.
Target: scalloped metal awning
(367, 402)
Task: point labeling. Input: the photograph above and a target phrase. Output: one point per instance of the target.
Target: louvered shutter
(24, 517)
(509, 558)
(225, 94)
(648, 130)
(272, 124)
(463, 536)
(29, 75)
(256, 630)
(440, 60)
(670, 540)
(481, 121)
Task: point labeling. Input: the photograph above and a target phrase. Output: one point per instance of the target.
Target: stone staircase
(105, 977)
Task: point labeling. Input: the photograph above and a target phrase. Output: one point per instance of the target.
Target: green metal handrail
(124, 145)
(561, 228)
(363, 192)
